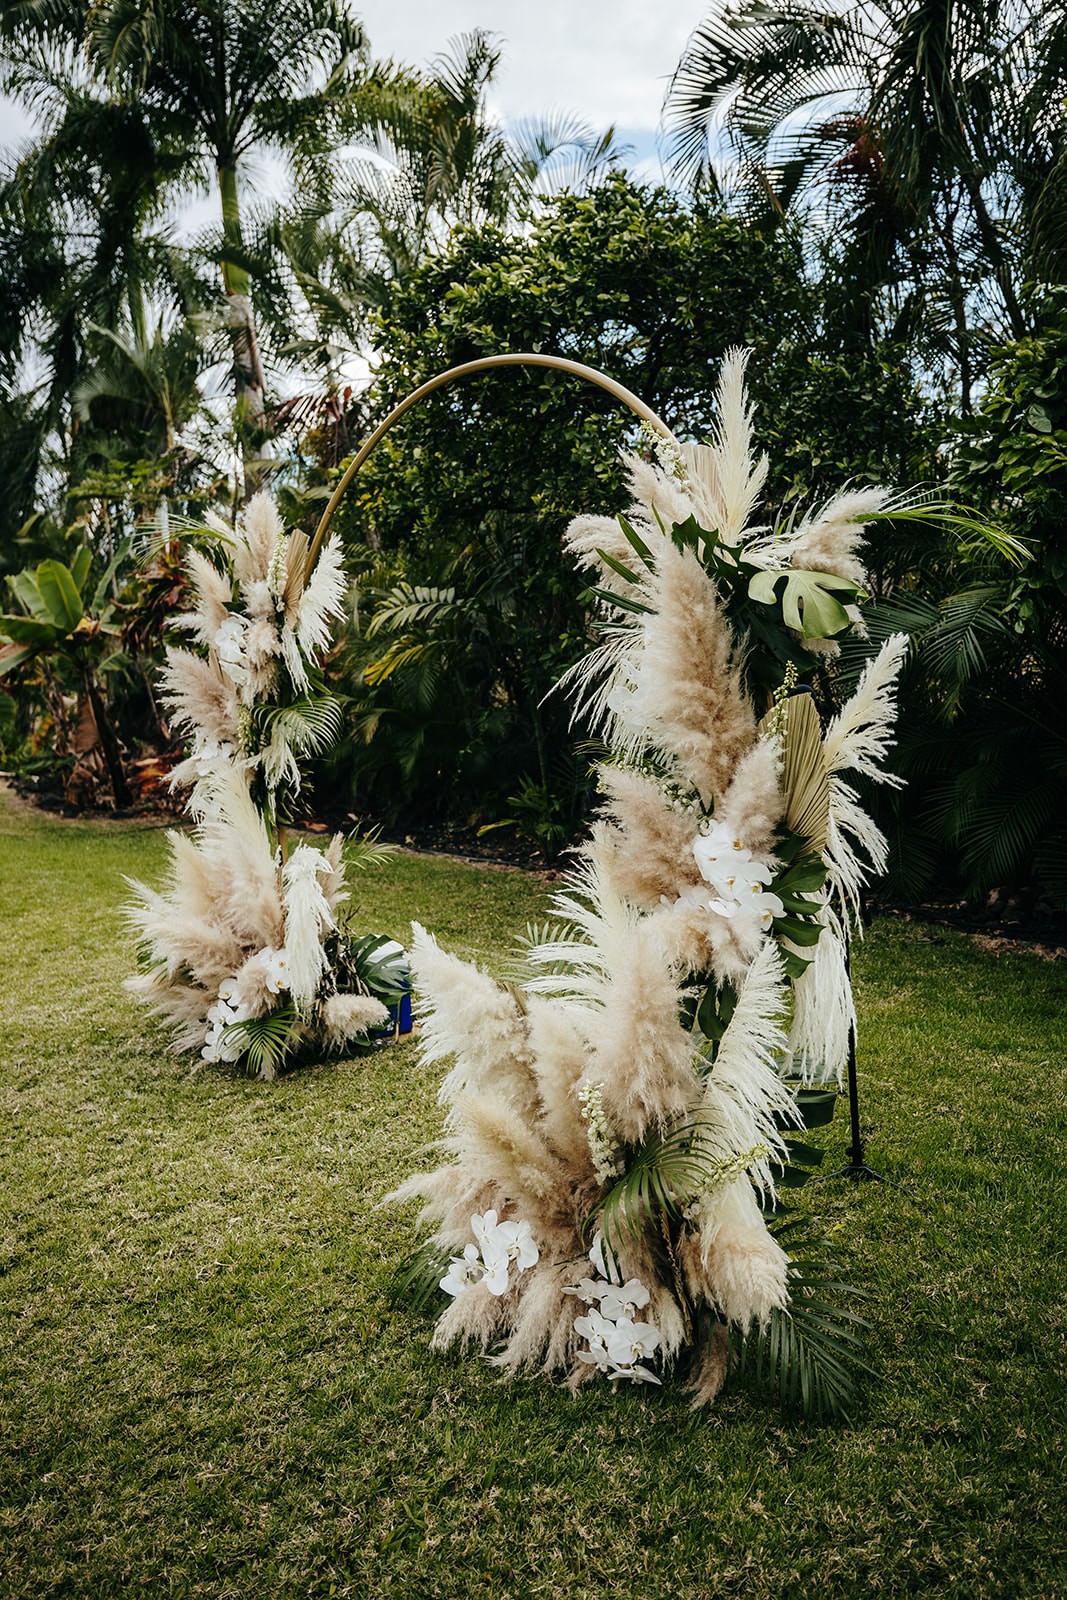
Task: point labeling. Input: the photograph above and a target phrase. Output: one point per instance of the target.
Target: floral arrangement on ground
(621, 1118)
(247, 952)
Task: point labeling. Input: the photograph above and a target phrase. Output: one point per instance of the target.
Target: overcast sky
(608, 61)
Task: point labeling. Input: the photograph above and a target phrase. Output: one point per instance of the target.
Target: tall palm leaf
(900, 122)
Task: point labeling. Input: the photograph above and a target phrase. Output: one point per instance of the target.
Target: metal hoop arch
(527, 358)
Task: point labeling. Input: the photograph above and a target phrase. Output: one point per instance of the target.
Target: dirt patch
(1042, 933)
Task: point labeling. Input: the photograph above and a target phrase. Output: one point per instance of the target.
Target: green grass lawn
(206, 1389)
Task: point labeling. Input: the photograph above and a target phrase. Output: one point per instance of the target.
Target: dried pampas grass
(648, 850)
(726, 480)
(590, 1093)
(690, 675)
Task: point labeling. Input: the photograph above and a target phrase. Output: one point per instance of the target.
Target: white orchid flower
(587, 1290)
(624, 1303)
(723, 908)
(276, 976)
(718, 852)
(501, 1243)
(482, 1225)
(603, 1260)
(463, 1271)
(216, 1046)
(595, 1330)
(767, 906)
(726, 865)
(229, 642)
(515, 1241)
(509, 1241)
(636, 1374)
(208, 754)
(496, 1275)
(629, 1342)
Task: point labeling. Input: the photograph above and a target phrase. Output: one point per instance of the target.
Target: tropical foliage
(469, 613)
(917, 140)
(872, 201)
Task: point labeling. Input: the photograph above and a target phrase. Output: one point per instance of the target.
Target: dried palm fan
(804, 778)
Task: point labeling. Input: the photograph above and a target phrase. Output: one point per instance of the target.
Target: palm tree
(434, 160)
(146, 385)
(904, 120)
(79, 247)
(226, 81)
(206, 87)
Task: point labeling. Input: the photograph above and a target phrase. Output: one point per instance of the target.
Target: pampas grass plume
(690, 675)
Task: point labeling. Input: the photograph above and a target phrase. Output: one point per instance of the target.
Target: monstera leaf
(812, 602)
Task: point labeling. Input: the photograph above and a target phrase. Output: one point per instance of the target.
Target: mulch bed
(998, 925)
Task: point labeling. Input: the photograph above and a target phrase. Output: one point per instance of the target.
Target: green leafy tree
(479, 481)
(197, 91)
(437, 160)
(982, 740)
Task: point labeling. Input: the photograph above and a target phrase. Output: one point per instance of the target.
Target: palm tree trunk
(958, 301)
(109, 744)
(995, 253)
(249, 381)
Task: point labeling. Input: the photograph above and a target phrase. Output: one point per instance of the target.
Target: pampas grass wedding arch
(620, 1117)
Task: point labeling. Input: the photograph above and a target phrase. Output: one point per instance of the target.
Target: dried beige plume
(694, 940)
(323, 599)
(468, 1018)
(657, 496)
(689, 688)
(745, 1096)
(647, 848)
(214, 596)
(258, 534)
(345, 1017)
(830, 540)
(733, 1261)
(725, 478)
(620, 981)
(823, 1010)
(199, 698)
(753, 805)
(308, 918)
(857, 740)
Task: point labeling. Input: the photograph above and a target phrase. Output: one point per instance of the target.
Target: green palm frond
(375, 973)
(664, 1176)
(416, 1284)
(265, 1042)
(543, 936)
(974, 531)
(811, 1356)
(409, 605)
(366, 851)
(404, 652)
(307, 725)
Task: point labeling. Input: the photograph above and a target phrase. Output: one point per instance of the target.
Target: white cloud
(606, 60)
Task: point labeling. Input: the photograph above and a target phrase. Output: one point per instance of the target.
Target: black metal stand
(856, 1166)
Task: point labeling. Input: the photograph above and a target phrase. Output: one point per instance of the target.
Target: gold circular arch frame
(469, 369)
